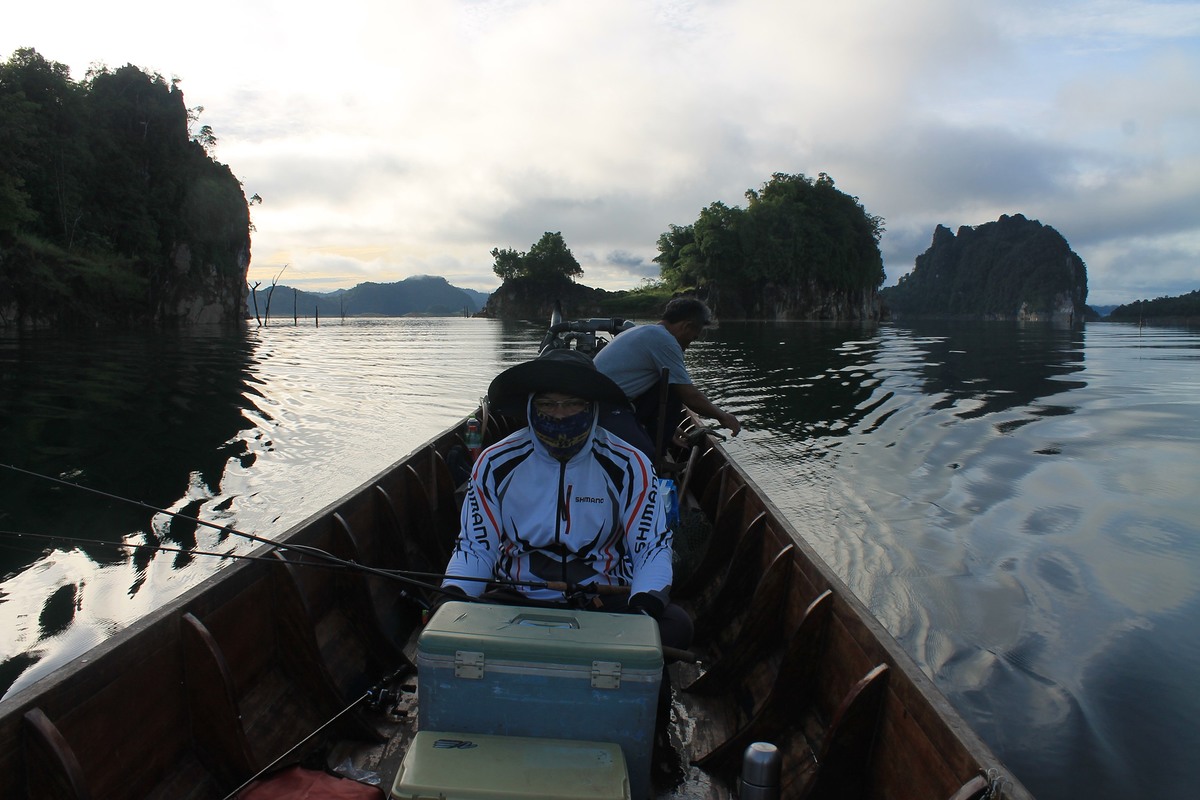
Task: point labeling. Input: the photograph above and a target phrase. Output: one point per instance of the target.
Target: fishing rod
(376, 694)
(570, 591)
(109, 495)
(404, 576)
(413, 576)
(315, 552)
(50, 537)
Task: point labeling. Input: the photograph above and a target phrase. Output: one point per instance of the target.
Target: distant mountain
(1013, 268)
(480, 298)
(424, 295)
(1103, 311)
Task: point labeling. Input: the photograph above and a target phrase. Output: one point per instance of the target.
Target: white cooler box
(546, 673)
(476, 766)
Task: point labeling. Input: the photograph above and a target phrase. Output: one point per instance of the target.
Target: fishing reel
(381, 699)
(390, 697)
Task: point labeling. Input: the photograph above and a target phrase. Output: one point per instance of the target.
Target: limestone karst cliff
(112, 208)
(1013, 268)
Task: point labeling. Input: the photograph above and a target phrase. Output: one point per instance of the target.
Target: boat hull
(194, 699)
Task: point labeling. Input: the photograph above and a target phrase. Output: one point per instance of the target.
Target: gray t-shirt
(635, 358)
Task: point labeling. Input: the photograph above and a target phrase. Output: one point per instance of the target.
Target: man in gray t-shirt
(635, 359)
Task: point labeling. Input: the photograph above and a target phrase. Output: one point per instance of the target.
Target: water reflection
(252, 429)
(1015, 503)
(797, 379)
(147, 418)
(985, 369)
(808, 380)
(151, 418)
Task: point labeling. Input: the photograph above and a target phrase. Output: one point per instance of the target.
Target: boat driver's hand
(648, 604)
(443, 595)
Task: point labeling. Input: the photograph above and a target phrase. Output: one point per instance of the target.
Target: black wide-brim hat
(561, 370)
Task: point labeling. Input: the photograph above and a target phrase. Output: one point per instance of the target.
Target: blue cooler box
(547, 673)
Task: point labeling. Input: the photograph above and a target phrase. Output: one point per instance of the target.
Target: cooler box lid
(543, 635)
(474, 766)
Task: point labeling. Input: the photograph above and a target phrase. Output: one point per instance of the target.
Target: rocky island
(112, 209)
(1011, 269)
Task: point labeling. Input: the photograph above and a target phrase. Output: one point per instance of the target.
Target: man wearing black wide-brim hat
(565, 502)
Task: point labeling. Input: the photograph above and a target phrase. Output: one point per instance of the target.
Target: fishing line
(315, 552)
(411, 577)
(47, 537)
(336, 564)
(147, 506)
(365, 695)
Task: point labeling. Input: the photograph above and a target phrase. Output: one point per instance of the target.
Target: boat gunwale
(925, 697)
(61, 691)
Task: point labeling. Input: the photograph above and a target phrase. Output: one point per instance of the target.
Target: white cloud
(396, 138)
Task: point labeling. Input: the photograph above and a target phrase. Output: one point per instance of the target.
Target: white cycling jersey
(596, 519)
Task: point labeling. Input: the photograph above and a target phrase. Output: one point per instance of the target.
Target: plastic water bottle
(474, 438)
(669, 502)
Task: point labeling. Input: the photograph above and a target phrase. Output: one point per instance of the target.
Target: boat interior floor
(689, 727)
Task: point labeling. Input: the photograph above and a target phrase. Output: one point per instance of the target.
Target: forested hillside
(111, 207)
(1184, 309)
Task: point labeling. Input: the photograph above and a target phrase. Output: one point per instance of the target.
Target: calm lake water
(1020, 505)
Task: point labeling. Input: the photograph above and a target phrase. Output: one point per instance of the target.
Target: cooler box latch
(468, 665)
(606, 674)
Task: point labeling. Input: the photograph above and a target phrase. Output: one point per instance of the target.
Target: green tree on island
(549, 259)
(801, 249)
(796, 232)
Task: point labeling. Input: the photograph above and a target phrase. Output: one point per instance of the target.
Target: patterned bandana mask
(565, 436)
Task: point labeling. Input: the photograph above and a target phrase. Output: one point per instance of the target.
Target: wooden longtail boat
(284, 660)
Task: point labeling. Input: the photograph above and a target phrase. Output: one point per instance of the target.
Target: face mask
(563, 437)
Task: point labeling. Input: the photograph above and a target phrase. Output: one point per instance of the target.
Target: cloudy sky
(406, 137)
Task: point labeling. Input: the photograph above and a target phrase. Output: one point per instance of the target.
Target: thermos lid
(761, 764)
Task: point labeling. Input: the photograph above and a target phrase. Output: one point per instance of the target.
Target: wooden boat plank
(790, 687)
(190, 780)
(358, 600)
(137, 651)
(939, 725)
(848, 744)
(149, 744)
(55, 771)
(118, 675)
(423, 522)
(951, 739)
(715, 608)
(213, 707)
(727, 528)
(761, 628)
(394, 543)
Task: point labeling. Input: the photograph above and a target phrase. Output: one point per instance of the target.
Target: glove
(444, 595)
(648, 604)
